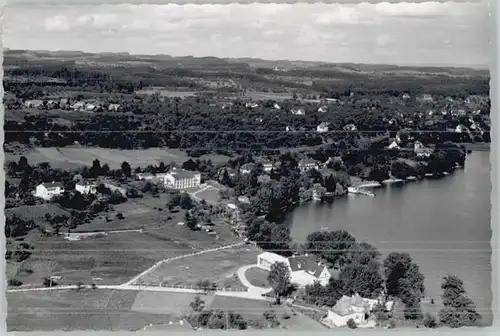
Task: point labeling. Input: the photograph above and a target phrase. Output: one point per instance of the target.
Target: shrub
(15, 282)
(429, 321)
(351, 324)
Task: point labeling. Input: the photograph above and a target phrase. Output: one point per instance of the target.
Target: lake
(443, 224)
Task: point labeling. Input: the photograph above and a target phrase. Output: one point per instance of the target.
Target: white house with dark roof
(33, 103)
(307, 164)
(182, 179)
(86, 187)
(304, 270)
(47, 191)
(323, 127)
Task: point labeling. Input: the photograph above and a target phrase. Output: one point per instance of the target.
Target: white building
(48, 190)
(323, 127)
(267, 166)
(323, 109)
(298, 112)
(182, 179)
(113, 107)
(33, 103)
(304, 270)
(145, 176)
(393, 145)
(307, 164)
(86, 187)
(354, 307)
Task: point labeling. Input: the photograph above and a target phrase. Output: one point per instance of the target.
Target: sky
(451, 33)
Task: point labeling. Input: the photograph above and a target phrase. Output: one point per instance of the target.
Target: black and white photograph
(194, 167)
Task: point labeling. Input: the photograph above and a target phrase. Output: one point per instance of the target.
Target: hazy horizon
(413, 34)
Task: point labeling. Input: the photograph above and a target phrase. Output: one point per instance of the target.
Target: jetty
(359, 191)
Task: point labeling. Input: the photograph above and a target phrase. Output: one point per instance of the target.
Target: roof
(307, 264)
(181, 173)
(324, 124)
(345, 305)
(272, 257)
(53, 185)
(85, 183)
(307, 161)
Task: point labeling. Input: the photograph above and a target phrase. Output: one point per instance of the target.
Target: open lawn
(111, 259)
(174, 304)
(76, 156)
(85, 309)
(257, 277)
(35, 212)
(218, 266)
(209, 194)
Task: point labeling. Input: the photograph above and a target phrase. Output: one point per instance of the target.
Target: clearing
(76, 156)
(218, 266)
(85, 309)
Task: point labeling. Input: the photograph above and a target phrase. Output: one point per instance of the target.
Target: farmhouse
(304, 270)
(393, 145)
(182, 179)
(298, 112)
(246, 168)
(33, 103)
(307, 164)
(267, 165)
(85, 187)
(353, 307)
(48, 190)
(113, 107)
(323, 127)
(323, 109)
(145, 176)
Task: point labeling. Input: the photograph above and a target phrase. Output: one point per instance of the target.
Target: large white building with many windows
(182, 179)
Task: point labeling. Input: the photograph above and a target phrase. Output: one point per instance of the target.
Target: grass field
(174, 304)
(73, 157)
(86, 309)
(112, 259)
(210, 195)
(35, 212)
(257, 277)
(218, 266)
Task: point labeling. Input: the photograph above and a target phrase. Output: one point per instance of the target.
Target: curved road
(251, 288)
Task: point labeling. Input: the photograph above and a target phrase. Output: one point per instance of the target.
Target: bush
(429, 321)
(351, 324)
(119, 216)
(14, 282)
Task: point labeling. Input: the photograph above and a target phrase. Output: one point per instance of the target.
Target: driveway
(251, 288)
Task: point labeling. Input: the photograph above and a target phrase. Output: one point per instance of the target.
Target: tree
(191, 221)
(351, 324)
(197, 304)
(459, 310)
(185, 201)
(126, 170)
(280, 280)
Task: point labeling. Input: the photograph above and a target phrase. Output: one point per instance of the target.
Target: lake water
(443, 224)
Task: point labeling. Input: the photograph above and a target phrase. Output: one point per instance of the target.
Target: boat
(353, 190)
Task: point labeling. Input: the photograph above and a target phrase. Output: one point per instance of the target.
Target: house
(251, 105)
(307, 164)
(323, 109)
(113, 107)
(246, 168)
(90, 107)
(33, 103)
(267, 166)
(350, 128)
(244, 199)
(78, 106)
(182, 179)
(48, 190)
(298, 112)
(393, 145)
(406, 96)
(63, 102)
(85, 187)
(323, 127)
(276, 106)
(461, 129)
(427, 97)
(145, 176)
(289, 129)
(421, 151)
(356, 308)
(304, 270)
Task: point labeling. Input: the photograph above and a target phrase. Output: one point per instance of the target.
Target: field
(111, 259)
(166, 303)
(209, 194)
(73, 157)
(257, 277)
(86, 309)
(34, 212)
(218, 266)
